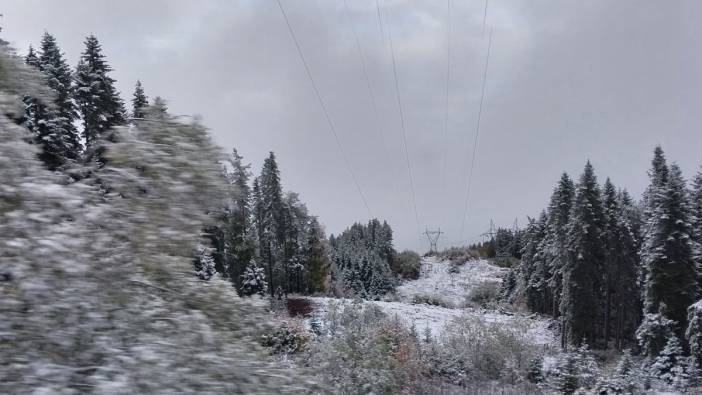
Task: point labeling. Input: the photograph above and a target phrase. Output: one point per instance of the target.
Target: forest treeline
(614, 272)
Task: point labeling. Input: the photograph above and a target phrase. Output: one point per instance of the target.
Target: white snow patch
(435, 279)
(452, 288)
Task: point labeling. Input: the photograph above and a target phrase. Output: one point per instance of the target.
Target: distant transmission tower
(490, 234)
(433, 237)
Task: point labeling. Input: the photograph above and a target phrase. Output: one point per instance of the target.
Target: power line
(402, 123)
(448, 79)
(324, 107)
(485, 17)
(477, 133)
(380, 23)
(371, 93)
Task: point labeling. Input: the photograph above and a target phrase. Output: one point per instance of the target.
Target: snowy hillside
(452, 288)
(436, 280)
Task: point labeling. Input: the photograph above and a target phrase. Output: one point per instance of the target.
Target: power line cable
(324, 107)
(380, 22)
(485, 17)
(477, 133)
(448, 79)
(371, 93)
(402, 124)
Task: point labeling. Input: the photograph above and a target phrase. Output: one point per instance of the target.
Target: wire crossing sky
(567, 81)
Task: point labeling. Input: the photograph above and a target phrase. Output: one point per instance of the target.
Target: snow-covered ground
(452, 288)
(435, 279)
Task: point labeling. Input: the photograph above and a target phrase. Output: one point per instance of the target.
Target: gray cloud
(568, 81)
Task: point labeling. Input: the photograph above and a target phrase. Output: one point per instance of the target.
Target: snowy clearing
(435, 279)
(452, 288)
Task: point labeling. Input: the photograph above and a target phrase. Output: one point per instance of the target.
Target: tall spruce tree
(696, 203)
(139, 101)
(620, 290)
(533, 267)
(582, 274)
(98, 100)
(671, 271)
(41, 119)
(59, 79)
(316, 258)
(239, 241)
(270, 230)
(555, 252)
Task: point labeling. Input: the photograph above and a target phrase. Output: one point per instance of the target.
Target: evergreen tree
(253, 280)
(671, 271)
(652, 334)
(98, 101)
(31, 59)
(693, 334)
(139, 101)
(360, 259)
(696, 203)
(668, 364)
(621, 293)
(538, 293)
(270, 227)
(316, 259)
(204, 263)
(64, 143)
(555, 244)
(582, 274)
(239, 245)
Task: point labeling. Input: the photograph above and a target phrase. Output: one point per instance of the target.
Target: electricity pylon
(433, 237)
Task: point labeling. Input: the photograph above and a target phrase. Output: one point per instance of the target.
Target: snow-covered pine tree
(39, 119)
(696, 203)
(253, 280)
(271, 226)
(316, 258)
(653, 333)
(669, 366)
(239, 241)
(63, 145)
(139, 101)
(555, 244)
(98, 100)
(534, 270)
(295, 223)
(582, 274)
(671, 271)
(621, 293)
(204, 263)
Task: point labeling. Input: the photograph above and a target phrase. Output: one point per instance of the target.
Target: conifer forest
(350, 197)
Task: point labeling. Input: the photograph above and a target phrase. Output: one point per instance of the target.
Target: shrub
(285, 339)
(365, 351)
(473, 349)
(432, 300)
(458, 255)
(407, 265)
(484, 294)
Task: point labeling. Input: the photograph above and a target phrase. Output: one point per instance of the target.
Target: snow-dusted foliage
(204, 263)
(253, 281)
(361, 257)
(693, 334)
(627, 378)
(573, 370)
(653, 333)
(98, 292)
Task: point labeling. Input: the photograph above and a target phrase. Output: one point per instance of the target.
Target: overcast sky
(567, 81)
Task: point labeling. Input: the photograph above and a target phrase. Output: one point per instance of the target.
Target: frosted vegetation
(136, 258)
